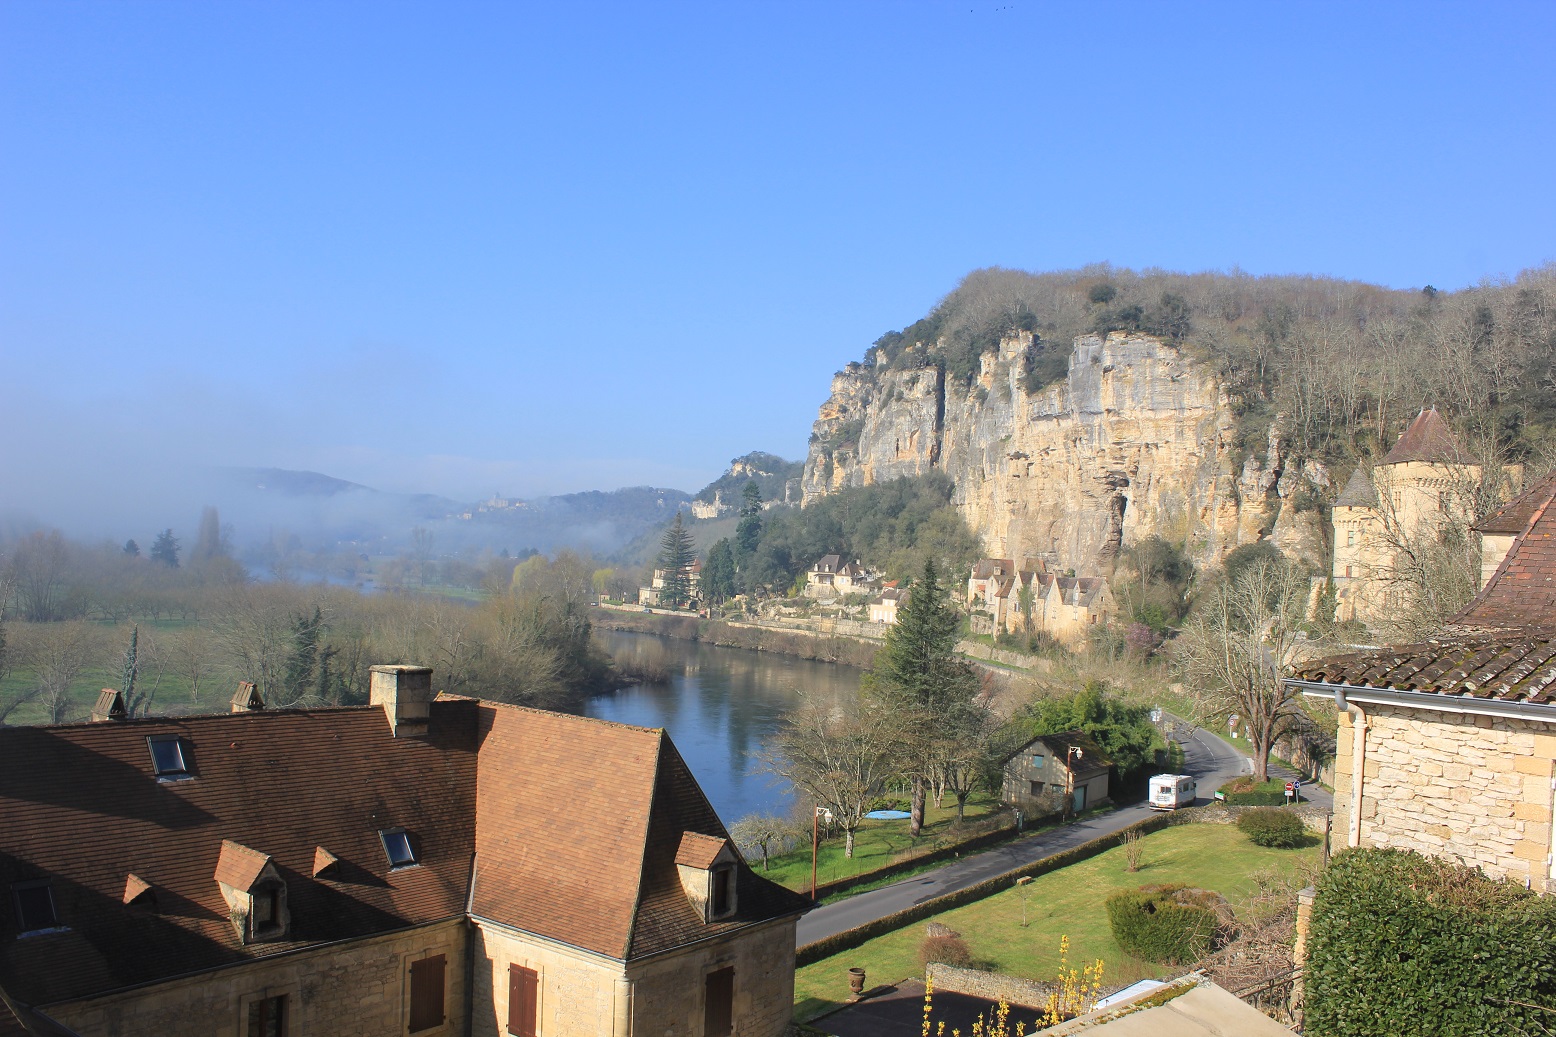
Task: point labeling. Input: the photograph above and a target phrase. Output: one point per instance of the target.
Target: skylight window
(34, 907)
(167, 758)
(397, 844)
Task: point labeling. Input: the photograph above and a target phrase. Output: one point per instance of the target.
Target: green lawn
(879, 843)
(1067, 902)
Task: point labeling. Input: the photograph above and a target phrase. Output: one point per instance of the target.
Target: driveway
(1210, 759)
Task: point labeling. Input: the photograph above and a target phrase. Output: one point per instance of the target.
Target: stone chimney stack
(405, 692)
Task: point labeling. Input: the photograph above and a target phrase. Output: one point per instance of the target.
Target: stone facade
(991, 985)
(1478, 789)
(356, 989)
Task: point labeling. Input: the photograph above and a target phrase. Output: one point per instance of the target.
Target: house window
(723, 900)
(1350, 538)
(266, 918)
(34, 903)
(167, 758)
(427, 993)
(718, 1014)
(1038, 760)
(267, 1017)
(1347, 572)
(1037, 788)
(523, 1000)
(397, 844)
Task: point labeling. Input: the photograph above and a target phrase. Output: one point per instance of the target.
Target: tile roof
(1521, 594)
(1094, 759)
(1359, 492)
(1428, 439)
(1504, 669)
(1515, 515)
(79, 805)
(698, 850)
(238, 866)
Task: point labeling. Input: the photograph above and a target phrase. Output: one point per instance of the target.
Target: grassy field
(880, 843)
(1067, 902)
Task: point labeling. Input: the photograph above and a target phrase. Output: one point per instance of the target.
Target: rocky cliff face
(1137, 440)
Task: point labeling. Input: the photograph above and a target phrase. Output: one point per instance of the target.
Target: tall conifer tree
(675, 560)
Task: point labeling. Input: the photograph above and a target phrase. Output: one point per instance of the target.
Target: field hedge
(1245, 792)
(1404, 944)
(1167, 924)
(1270, 826)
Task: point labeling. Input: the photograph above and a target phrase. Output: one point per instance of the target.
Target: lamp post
(815, 843)
(1071, 755)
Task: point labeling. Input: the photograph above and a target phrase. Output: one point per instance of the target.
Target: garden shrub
(1402, 943)
(1170, 924)
(1245, 792)
(946, 950)
(1271, 826)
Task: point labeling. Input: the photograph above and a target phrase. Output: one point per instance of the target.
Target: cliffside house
(1052, 773)
(1448, 747)
(430, 866)
(883, 607)
(831, 578)
(985, 578)
(652, 594)
(1067, 608)
(1424, 480)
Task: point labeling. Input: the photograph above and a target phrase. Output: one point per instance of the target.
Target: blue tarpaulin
(888, 815)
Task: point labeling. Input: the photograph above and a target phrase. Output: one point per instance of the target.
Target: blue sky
(466, 247)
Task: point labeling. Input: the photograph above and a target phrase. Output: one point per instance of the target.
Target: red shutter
(427, 993)
(719, 1003)
(523, 1000)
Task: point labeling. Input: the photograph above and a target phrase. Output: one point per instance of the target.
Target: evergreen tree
(208, 542)
(303, 658)
(675, 560)
(165, 549)
(918, 675)
(132, 549)
(748, 534)
(718, 572)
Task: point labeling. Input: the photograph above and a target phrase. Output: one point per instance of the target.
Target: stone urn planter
(856, 981)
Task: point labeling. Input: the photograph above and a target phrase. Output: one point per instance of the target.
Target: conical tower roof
(1358, 492)
(1428, 439)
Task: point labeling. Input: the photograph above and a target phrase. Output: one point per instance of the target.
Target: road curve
(1210, 759)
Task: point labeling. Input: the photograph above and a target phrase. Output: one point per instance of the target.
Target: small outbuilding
(1055, 773)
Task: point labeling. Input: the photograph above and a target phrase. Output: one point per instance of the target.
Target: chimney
(405, 692)
(110, 706)
(247, 698)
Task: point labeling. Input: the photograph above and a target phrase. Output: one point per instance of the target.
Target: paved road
(1210, 759)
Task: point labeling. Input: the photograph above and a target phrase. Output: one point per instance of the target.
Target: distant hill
(776, 478)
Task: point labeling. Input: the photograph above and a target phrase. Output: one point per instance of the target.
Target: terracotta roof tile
(1505, 669)
(1521, 594)
(323, 860)
(698, 850)
(1428, 439)
(238, 866)
(134, 886)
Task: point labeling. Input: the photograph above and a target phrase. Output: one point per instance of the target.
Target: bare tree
(839, 760)
(1236, 643)
(763, 835)
(190, 655)
(58, 655)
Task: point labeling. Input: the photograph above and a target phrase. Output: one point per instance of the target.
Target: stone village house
(1045, 775)
(883, 607)
(831, 577)
(1067, 608)
(431, 866)
(1449, 747)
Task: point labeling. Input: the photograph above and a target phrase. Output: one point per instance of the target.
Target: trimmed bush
(1172, 925)
(1402, 943)
(945, 950)
(1245, 792)
(1271, 826)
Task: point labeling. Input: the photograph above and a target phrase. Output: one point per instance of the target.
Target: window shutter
(427, 993)
(523, 1000)
(719, 1003)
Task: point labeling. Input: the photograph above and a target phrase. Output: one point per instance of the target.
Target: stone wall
(1314, 818)
(1472, 788)
(587, 995)
(992, 985)
(355, 989)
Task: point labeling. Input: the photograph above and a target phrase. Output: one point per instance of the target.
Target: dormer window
(168, 762)
(722, 902)
(397, 845)
(34, 903)
(254, 892)
(266, 919)
(707, 867)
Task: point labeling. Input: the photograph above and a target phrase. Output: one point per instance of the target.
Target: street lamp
(815, 841)
(1074, 753)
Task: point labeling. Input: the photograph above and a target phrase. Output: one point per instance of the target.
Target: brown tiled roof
(1428, 439)
(1359, 492)
(238, 866)
(1093, 759)
(987, 567)
(579, 823)
(1521, 594)
(79, 805)
(1505, 669)
(698, 850)
(1515, 515)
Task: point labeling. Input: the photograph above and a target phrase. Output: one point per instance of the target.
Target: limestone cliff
(1138, 439)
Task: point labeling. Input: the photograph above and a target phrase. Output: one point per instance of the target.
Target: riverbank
(804, 644)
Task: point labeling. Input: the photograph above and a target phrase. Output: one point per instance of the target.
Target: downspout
(621, 1022)
(1358, 762)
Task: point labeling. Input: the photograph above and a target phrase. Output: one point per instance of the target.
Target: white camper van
(1171, 791)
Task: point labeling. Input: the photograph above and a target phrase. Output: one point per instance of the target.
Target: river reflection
(721, 707)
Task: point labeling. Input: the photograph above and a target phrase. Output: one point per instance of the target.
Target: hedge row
(851, 938)
(1404, 944)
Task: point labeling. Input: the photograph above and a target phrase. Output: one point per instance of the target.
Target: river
(721, 707)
